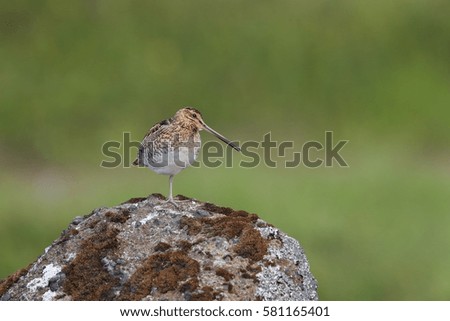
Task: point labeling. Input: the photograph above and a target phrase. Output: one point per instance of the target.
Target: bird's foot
(170, 200)
(175, 202)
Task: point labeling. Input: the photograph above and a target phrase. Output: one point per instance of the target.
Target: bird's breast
(170, 156)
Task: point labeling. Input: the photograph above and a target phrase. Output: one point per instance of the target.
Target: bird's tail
(139, 161)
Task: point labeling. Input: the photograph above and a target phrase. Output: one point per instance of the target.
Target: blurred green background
(75, 74)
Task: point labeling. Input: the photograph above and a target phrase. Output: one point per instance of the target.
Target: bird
(174, 144)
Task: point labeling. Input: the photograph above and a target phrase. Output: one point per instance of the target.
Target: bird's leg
(170, 198)
(170, 188)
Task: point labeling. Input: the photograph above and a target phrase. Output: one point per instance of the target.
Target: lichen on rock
(145, 249)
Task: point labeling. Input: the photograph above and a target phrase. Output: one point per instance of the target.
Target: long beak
(222, 138)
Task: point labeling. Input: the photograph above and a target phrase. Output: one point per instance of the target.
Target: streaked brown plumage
(173, 144)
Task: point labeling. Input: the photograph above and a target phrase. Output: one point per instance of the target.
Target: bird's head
(190, 115)
(194, 117)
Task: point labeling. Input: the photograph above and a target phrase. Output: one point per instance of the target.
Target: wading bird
(173, 144)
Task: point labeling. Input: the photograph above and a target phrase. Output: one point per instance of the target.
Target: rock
(145, 249)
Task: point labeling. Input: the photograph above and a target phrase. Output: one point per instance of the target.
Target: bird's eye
(194, 115)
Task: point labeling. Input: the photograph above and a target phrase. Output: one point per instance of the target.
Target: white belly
(173, 161)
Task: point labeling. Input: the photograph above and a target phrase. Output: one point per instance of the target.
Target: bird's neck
(187, 125)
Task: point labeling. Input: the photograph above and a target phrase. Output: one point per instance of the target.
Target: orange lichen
(6, 283)
(86, 276)
(163, 272)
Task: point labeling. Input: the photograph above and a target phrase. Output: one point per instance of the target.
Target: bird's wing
(157, 129)
(153, 132)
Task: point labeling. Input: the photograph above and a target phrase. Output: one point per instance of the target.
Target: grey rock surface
(145, 249)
